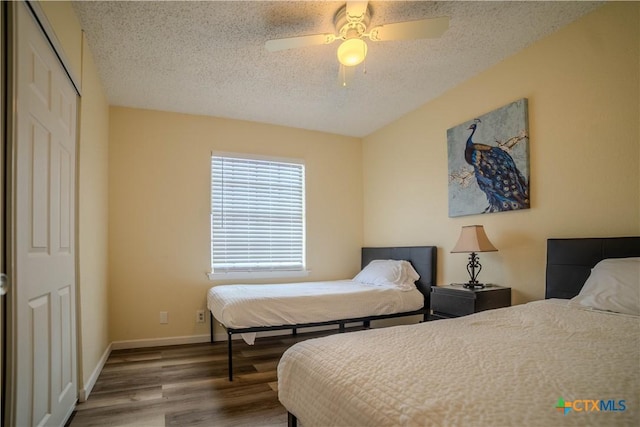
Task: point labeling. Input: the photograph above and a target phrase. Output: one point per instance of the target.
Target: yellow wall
(92, 193)
(582, 84)
(159, 210)
(583, 89)
(93, 200)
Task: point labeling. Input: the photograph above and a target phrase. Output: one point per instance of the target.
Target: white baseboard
(196, 339)
(83, 394)
(159, 342)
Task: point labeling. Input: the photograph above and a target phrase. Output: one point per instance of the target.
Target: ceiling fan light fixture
(352, 52)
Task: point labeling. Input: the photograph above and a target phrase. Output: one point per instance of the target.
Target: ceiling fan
(352, 22)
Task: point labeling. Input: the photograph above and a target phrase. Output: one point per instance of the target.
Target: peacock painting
(489, 162)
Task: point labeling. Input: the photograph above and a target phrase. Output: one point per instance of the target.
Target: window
(257, 215)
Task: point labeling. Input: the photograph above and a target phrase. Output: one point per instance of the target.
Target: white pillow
(385, 272)
(614, 285)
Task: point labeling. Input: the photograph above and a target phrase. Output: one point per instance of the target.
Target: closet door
(44, 223)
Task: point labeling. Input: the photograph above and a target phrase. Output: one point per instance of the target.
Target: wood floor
(187, 385)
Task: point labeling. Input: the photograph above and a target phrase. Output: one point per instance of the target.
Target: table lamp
(473, 239)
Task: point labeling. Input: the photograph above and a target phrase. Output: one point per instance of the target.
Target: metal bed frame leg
(294, 331)
(211, 325)
(229, 344)
(230, 354)
(292, 421)
(341, 327)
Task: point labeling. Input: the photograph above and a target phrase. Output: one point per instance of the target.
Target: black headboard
(423, 259)
(569, 261)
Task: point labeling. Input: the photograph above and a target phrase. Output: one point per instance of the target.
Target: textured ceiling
(209, 57)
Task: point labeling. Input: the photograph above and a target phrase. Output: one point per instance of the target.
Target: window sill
(238, 275)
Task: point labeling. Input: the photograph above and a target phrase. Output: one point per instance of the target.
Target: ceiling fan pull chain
(364, 67)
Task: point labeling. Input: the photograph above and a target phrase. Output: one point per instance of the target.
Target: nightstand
(455, 300)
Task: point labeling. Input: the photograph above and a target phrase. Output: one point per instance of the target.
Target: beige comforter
(506, 367)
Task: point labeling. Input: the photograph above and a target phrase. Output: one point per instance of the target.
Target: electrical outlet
(200, 316)
(164, 317)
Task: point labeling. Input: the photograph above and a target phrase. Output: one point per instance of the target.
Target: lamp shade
(473, 239)
(352, 52)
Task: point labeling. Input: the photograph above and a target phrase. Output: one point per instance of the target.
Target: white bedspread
(243, 306)
(505, 367)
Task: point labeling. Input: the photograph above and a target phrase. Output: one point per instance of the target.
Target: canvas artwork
(489, 162)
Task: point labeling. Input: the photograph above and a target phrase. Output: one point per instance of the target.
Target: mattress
(513, 366)
(244, 306)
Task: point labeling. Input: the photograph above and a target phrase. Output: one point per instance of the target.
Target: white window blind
(257, 215)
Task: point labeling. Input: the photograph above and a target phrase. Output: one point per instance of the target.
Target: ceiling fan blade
(356, 8)
(302, 41)
(422, 29)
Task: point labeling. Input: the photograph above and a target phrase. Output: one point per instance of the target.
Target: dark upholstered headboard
(569, 261)
(423, 259)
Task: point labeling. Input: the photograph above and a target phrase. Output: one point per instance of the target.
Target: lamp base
(473, 285)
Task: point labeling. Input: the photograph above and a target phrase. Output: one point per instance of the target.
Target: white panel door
(46, 383)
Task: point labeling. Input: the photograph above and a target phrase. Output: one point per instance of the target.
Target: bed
(248, 309)
(550, 362)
